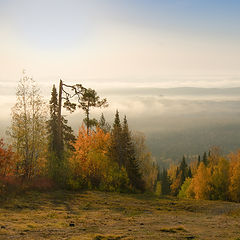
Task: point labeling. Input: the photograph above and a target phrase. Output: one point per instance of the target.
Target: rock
(71, 224)
(3, 227)
(190, 237)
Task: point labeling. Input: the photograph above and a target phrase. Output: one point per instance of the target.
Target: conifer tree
(116, 141)
(58, 144)
(205, 159)
(103, 124)
(199, 160)
(55, 142)
(129, 158)
(189, 173)
(165, 182)
(88, 100)
(183, 170)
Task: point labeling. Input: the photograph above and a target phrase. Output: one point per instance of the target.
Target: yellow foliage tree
(220, 179)
(201, 183)
(234, 172)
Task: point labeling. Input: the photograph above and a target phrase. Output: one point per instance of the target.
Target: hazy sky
(136, 42)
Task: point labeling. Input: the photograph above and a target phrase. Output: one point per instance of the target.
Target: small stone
(190, 237)
(72, 224)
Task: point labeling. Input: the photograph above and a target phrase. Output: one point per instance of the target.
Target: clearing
(93, 215)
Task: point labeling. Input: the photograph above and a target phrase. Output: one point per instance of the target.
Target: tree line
(44, 146)
(212, 176)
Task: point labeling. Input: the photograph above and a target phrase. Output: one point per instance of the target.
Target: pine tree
(88, 100)
(129, 158)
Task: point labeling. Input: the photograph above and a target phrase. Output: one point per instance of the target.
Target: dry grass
(111, 216)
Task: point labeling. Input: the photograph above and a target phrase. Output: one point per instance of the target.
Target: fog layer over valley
(181, 121)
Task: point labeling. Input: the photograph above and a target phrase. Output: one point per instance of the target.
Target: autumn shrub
(7, 160)
(41, 183)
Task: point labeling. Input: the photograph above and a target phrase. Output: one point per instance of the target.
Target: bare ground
(110, 216)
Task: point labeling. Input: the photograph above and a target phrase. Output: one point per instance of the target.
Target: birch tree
(28, 127)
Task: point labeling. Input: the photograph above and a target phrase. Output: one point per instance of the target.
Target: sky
(136, 43)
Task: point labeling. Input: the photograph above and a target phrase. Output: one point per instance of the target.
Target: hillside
(98, 215)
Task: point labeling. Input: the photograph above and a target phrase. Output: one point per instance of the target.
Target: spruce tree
(205, 159)
(165, 182)
(183, 170)
(103, 124)
(199, 160)
(57, 144)
(129, 158)
(116, 141)
(189, 173)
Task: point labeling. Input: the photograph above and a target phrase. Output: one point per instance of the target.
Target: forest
(45, 154)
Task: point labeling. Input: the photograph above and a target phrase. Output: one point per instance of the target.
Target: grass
(93, 215)
(173, 229)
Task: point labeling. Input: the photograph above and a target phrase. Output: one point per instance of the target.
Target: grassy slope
(98, 215)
